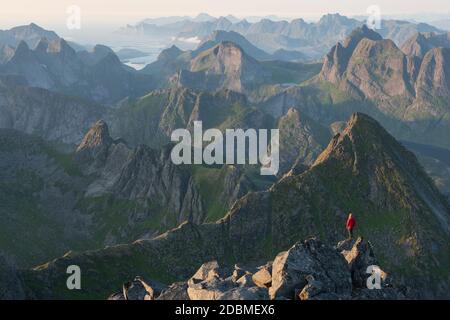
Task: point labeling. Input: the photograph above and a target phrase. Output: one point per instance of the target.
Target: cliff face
(336, 61)
(301, 140)
(419, 44)
(378, 70)
(52, 116)
(363, 169)
(433, 80)
(368, 66)
(38, 197)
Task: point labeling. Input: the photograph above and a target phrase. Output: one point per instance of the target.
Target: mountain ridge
(240, 237)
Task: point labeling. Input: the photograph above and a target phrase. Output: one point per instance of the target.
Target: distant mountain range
(311, 39)
(31, 34)
(47, 61)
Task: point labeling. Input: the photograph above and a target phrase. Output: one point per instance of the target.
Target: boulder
(213, 282)
(359, 255)
(263, 277)
(210, 289)
(312, 289)
(138, 289)
(209, 282)
(239, 272)
(176, 291)
(210, 270)
(311, 258)
(315, 290)
(245, 281)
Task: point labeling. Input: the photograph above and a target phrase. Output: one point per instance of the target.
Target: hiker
(350, 225)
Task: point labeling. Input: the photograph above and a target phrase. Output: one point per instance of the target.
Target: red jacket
(351, 223)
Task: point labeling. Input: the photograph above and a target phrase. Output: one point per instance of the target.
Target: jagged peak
(223, 19)
(96, 137)
(100, 48)
(299, 21)
(362, 119)
(361, 33)
(336, 61)
(35, 26)
(220, 51)
(332, 18)
(368, 46)
(361, 130)
(434, 74)
(218, 35)
(170, 53)
(365, 149)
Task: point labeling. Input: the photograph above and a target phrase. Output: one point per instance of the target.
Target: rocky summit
(309, 270)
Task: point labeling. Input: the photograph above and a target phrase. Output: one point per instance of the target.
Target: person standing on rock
(351, 222)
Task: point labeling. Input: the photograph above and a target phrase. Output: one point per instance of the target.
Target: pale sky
(118, 12)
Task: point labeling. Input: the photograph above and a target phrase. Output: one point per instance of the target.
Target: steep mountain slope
(223, 36)
(433, 79)
(301, 140)
(436, 162)
(104, 193)
(167, 64)
(228, 66)
(419, 44)
(50, 115)
(225, 66)
(364, 169)
(336, 61)
(37, 194)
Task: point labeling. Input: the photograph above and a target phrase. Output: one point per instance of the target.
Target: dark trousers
(350, 233)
